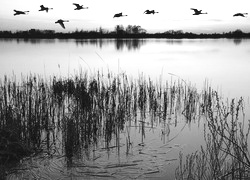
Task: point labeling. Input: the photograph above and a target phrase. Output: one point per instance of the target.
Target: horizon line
(106, 31)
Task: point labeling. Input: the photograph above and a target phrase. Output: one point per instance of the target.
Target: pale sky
(173, 15)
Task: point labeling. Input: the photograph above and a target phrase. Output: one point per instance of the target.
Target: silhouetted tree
(137, 29)
(129, 29)
(119, 29)
(237, 33)
(102, 31)
(173, 32)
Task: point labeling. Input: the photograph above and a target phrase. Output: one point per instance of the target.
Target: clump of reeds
(86, 108)
(23, 110)
(226, 155)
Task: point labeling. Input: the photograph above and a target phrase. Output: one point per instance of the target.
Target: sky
(173, 15)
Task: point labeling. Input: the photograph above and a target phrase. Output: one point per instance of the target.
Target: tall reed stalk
(86, 108)
(226, 154)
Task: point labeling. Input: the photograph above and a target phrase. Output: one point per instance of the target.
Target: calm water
(223, 63)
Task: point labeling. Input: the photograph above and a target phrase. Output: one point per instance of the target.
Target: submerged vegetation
(69, 116)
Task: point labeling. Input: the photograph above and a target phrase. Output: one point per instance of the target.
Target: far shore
(120, 34)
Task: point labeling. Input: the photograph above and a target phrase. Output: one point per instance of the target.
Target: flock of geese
(80, 7)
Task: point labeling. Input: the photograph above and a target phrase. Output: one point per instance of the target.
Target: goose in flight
(119, 15)
(44, 8)
(20, 12)
(150, 12)
(240, 14)
(197, 12)
(79, 7)
(60, 21)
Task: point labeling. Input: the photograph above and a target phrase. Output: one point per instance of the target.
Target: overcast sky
(173, 14)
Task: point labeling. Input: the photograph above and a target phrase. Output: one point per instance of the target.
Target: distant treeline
(131, 31)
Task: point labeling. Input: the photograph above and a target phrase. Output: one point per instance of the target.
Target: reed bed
(85, 108)
(90, 108)
(226, 153)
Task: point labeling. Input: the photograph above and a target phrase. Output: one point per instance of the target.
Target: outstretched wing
(239, 14)
(61, 23)
(77, 5)
(17, 11)
(118, 15)
(195, 10)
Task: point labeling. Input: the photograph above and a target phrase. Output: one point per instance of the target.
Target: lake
(221, 63)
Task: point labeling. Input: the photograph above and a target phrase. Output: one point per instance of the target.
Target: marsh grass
(85, 108)
(226, 153)
(91, 108)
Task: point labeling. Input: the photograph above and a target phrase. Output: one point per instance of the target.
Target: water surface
(223, 62)
(155, 148)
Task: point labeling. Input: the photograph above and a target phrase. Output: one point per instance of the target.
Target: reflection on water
(224, 62)
(96, 126)
(107, 127)
(130, 44)
(36, 41)
(114, 126)
(237, 41)
(120, 44)
(32, 41)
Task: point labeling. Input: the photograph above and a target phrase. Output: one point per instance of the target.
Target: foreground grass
(88, 107)
(84, 107)
(226, 153)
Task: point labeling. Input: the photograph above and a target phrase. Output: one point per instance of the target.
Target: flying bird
(150, 12)
(119, 15)
(20, 12)
(240, 14)
(79, 7)
(44, 8)
(60, 21)
(197, 12)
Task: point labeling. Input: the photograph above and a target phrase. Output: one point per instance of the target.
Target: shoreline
(49, 34)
